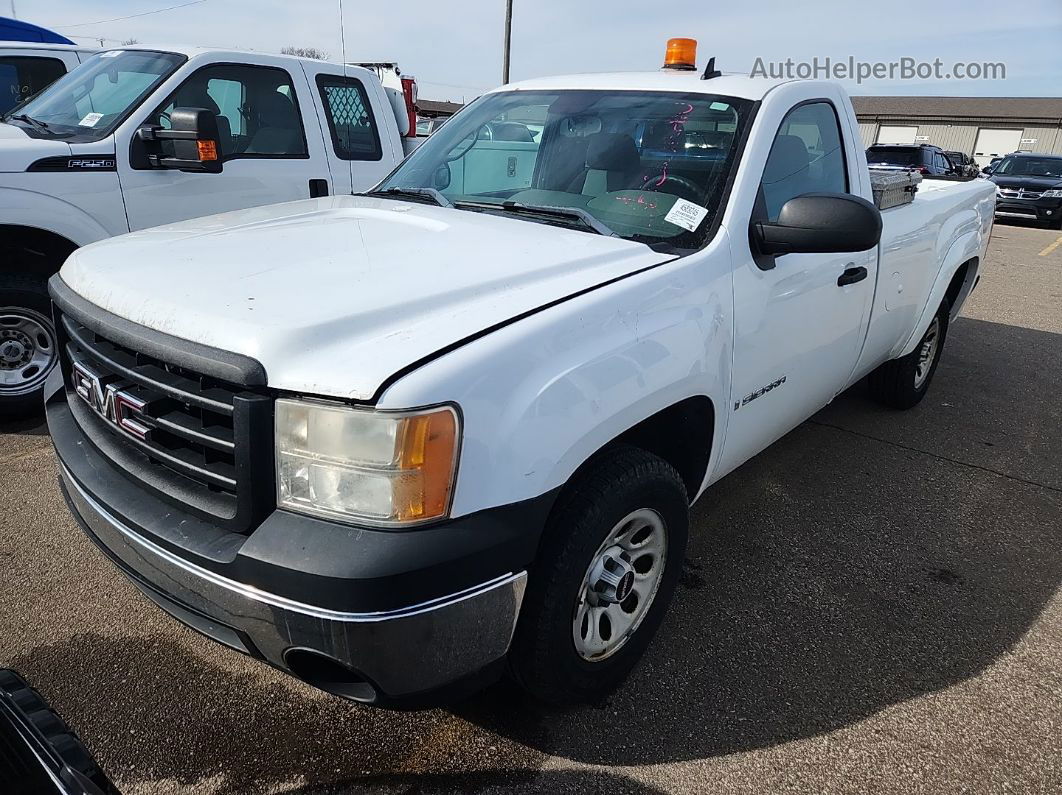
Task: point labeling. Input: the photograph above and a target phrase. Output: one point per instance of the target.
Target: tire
(625, 483)
(902, 383)
(28, 349)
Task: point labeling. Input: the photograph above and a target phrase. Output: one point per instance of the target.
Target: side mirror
(440, 180)
(820, 223)
(196, 141)
(987, 171)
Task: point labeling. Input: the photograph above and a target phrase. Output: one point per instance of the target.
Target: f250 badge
(763, 390)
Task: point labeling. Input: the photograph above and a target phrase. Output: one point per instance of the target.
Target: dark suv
(1029, 186)
(929, 160)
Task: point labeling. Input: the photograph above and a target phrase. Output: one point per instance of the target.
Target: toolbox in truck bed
(893, 187)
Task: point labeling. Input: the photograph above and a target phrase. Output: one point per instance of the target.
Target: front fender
(31, 208)
(542, 395)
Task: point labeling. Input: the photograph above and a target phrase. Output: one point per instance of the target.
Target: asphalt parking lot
(873, 604)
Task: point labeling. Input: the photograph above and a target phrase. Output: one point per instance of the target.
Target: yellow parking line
(1051, 248)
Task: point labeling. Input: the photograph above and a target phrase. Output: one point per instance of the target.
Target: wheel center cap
(625, 586)
(612, 578)
(12, 351)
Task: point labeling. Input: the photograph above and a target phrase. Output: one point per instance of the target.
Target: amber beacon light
(681, 54)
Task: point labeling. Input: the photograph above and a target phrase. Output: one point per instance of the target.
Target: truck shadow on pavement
(866, 559)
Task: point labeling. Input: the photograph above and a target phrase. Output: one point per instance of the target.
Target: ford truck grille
(192, 439)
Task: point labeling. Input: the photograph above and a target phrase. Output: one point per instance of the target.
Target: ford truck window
(349, 116)
(87, 103)
(255, 108)
(622, 159)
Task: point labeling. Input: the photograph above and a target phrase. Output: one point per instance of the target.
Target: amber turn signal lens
(681, 54)
(208, 150)
(428, 453)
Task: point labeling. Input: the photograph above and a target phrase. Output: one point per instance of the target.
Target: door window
(350, 120)
(21, 78)
(255, 106)
(807, 157)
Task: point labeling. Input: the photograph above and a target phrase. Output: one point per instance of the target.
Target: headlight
(359, 465)
(1052, 194)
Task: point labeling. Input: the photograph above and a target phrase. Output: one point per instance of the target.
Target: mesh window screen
(353, 128)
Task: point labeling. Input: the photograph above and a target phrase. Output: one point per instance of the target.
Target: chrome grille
(206, 444)
(1019, 193)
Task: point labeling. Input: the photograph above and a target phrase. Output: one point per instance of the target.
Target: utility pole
(508, 40)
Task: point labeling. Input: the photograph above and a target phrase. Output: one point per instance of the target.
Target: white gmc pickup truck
(398, 442)
(99, 152)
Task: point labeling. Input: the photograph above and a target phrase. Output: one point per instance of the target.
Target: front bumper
(1044, 210)
(366, 649)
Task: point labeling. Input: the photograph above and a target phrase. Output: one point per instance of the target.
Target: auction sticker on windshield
(686, 214)
(90, 120)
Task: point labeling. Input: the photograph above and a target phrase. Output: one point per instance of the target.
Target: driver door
(271, 148)
(798, 331)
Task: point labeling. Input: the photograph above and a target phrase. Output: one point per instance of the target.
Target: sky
(454, 46)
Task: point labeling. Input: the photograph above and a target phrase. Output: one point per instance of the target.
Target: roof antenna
(710, 71)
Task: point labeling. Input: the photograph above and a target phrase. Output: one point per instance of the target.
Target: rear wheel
(902, 383)
(28, 348)
(606, 570)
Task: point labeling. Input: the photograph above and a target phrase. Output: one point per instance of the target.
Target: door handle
(851, 276)
(318, 188)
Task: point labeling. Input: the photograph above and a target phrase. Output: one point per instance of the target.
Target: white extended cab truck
(98, 153)
(394, 443)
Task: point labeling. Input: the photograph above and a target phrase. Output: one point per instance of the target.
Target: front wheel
(28, 349)
(902, 383)
(607, 568)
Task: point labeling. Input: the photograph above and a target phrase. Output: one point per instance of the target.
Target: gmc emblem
(106, 398)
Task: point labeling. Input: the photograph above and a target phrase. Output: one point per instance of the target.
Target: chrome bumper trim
(258, 595)
(402, 652)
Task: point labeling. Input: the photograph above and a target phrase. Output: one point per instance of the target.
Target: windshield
(894, 157)
(620, 160)
(1030, 167)
(90, 101)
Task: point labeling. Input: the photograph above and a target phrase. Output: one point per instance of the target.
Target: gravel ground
(872, 604)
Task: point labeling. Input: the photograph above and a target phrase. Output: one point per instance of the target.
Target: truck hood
(334, 295)
(18, 150)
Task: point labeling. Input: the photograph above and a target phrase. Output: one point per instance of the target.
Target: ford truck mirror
(195, 137)
(820, 223)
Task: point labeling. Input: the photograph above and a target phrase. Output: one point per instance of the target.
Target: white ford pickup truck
(398, 442)
(100, 152)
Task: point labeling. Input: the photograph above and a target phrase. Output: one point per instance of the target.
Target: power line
(131, 16)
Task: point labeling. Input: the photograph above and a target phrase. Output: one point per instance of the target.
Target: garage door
(995, 143)
(892, 134)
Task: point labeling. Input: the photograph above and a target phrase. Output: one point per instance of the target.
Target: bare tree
(305, 52)
(130, 42)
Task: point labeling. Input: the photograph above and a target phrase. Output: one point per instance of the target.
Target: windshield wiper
(423, 193)
(584, 218)
(29, 120)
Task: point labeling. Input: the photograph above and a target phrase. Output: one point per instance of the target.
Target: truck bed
(916, 238)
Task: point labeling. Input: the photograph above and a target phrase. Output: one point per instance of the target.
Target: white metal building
(984, 127)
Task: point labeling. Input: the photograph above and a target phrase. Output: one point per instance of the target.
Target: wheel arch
(681, 434)
(957, 275)
(45, 250)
